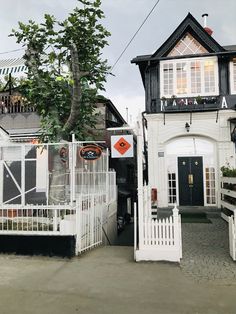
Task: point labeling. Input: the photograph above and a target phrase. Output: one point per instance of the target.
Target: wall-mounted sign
(122, 146)
(90, 152)
(194, 103)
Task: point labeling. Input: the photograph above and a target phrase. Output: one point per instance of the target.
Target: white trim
(188, 62)
(232, 64)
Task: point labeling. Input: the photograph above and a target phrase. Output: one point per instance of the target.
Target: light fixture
(187, 126)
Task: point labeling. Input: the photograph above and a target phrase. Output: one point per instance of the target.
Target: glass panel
(168, 79)
(181, 76)
(210, 185)
(186, 46)
(196, 77)
(209, 76)
(12, 182)
(171, 188)
(59, 180)
(234, 74)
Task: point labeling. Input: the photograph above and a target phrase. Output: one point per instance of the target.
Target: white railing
(232, 236)
(159, 239)
(84, 220)
(34, 219)
(89, 228)
(228, 196)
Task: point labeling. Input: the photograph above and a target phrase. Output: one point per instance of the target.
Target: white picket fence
(159, 239)
(232, 237)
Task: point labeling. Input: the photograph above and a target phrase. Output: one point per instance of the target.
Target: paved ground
(206, 252)
(107, 281)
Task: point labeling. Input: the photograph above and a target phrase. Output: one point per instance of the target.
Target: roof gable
(187, 45)
(188, 26)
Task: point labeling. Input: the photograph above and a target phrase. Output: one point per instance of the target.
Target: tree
(65, 69)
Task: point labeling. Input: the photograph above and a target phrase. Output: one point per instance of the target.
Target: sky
(123, 18)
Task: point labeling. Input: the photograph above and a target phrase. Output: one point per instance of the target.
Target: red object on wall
(154, 195)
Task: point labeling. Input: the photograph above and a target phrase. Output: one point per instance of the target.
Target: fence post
(140, 184)
(78, 209)
(135, 229)
(55, 220)
(177, 231)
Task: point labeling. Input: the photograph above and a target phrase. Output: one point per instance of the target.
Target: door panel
(190, 171)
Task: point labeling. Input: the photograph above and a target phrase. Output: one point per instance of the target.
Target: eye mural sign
(90, 152)
(197, 103)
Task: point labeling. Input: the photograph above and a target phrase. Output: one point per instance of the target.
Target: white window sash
(188, 64)
(232, 77)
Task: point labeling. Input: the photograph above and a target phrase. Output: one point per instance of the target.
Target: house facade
(190, 89)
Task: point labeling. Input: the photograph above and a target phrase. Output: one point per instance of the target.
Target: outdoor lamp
(187, 126)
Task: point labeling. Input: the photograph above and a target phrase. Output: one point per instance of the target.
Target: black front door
(190, 171)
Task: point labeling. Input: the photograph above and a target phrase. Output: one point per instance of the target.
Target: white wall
(203, 125)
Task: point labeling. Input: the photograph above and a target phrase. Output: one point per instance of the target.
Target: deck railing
(15, 104)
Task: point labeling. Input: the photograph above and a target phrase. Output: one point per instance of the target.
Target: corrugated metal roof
(12, 62)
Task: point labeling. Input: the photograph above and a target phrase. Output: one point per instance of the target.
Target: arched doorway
(191, 170)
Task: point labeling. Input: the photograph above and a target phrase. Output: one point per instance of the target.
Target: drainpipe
(144, 122)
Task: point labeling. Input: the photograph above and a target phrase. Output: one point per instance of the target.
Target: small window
(0, 71)
(233, 76)
(7, 71)
(3, 71)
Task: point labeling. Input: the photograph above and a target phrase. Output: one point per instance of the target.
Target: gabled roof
(188, 25)
(191, 25)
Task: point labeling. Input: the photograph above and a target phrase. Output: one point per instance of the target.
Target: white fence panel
(232, 237)
(159, 239)
(90, 211)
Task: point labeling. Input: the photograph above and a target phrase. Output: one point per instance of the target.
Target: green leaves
(64, 88)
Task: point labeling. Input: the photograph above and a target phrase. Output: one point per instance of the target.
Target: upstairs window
(233, 76)
(189, 77)
(187, 45)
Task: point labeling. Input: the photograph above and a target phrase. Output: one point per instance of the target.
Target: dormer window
(233, 76)
(189, 77)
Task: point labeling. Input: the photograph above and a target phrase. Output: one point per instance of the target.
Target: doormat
(195, 218)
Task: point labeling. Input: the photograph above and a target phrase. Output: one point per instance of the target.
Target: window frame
(231, 71)
(188, 64)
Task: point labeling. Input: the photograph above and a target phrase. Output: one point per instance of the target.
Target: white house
(190, 88)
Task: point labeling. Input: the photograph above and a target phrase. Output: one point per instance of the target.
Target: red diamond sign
(122, 146)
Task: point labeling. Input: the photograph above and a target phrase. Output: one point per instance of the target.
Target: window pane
(195, 77)
(168, 79)
(209, 75)
(181, 76)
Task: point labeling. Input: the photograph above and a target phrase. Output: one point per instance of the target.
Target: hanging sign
(90, 152)
(122, 146)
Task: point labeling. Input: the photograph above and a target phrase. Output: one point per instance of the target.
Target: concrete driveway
(106, 280)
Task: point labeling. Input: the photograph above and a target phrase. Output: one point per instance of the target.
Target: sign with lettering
(122, 146)
(194, 103)
(90, 152)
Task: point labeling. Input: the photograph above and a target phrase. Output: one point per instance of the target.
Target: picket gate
(159, 239)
